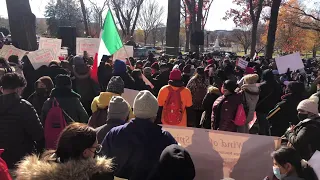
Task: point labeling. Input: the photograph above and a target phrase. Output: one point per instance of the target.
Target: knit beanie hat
(175, 163)
(116, 85)
(309, 106)
(175, 75)
(63, 81)
(155, 66)
(251, 78)
(118, 108)
(119, 67)
(147, 71)
(145, 105)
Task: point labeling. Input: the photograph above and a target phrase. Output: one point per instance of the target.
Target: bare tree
(98, 10)
(242, 37)
(127, 13)
(150, 18)
(85, 17)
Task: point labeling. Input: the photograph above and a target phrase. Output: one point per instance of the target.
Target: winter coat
(54, 71)
(284, 113)
(198, 87)
(140, 85)
(136, 147)
(251, 97)
(305, 137)
(186, 79)
(120, 69)
(224, 110)
(161, 80)
(212, 95)
(69, 101)
(102, 131)
(104, 75)
(87, 169)
(4, 172)
(20, 128)
(127, 79)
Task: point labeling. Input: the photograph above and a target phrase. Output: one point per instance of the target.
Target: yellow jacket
(103, 100)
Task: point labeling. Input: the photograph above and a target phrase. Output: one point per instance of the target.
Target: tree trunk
(85, 19)
(199, 21)
(193, 24)
(245, 50)
(145, 38)
(22, 24)
(187, 46)
(173, 27)
(314, 51)
(253, 38)
(272, 28)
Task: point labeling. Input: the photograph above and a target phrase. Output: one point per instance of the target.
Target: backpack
(54, 124)
(98, 118)
(173, 110)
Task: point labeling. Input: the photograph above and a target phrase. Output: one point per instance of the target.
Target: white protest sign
(242, 63)
(52, 44)
(9, 50)
(218, 154)
(129, 95)
(91, 45)
(41, 57)
(292, 61)
(123, 53)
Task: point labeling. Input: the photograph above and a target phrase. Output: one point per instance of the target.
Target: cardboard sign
(218, 154)
(123, 53)
(91, 45)
(52, 44)
(292, 61)
(9, 50)
(242, 63)
(41, 57)
(129, 95)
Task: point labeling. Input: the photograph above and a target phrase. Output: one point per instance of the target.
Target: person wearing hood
(43, 87)
(186, 75)
(68, 100)
(118, 114)
(137, 145)
(83, 84)
(163, 78)
(175, 163)
(21, 131)
(101, 102)
(270, 95)
(224, 109)
(250, 91)
(120, 69)
(304, 136)
(74, 158)
(186, 118)
(285, 112)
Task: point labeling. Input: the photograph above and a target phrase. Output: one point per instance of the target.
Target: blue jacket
(136, 147)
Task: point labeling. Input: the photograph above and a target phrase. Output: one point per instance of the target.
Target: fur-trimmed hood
(32, 168)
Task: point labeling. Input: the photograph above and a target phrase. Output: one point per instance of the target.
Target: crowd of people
(57, 122)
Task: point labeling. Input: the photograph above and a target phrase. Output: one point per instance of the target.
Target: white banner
(41, 57)
(52, 44)
(292, 61)
(91, 45)
(9, 50)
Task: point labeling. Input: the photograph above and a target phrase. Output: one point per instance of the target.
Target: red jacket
(224, 110)
(4, 172)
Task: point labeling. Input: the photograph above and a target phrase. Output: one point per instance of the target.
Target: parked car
(150, 49)
(140, 53)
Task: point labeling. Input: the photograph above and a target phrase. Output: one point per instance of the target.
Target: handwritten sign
(50, 43)
(219, 154)
(91, 45)
(123, 53)
(9, 50)
(292, 61)
(41, 57)
(242, 63)
(129, 95)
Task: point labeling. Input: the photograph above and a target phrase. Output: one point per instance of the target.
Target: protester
(155, 69)
(186, 75)
(120, 69)
(4, 172)
(225, 108)
(212, 95)
(139, 84)
(137, 145)
(15, 64)
(285, 112)
(118, 114)
(288, 165)
(303, 136)
(54, 70)
(74, 158)
(101, 102)
(198, 85)
(147, 72)
(21, 131)
(175, 103)
(251, 96)
(162, 79)
(104, 75)
(175, 163)
(43, 87)
(68, 100)
(270, 95)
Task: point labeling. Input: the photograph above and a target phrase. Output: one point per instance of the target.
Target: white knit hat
(309, 106)
(145, 105)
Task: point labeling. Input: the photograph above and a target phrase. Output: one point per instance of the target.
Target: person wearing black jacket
(163, 78)
(21, 131)
(212, 95)
(120, 69)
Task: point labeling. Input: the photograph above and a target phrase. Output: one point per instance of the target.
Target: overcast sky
(215, 21)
